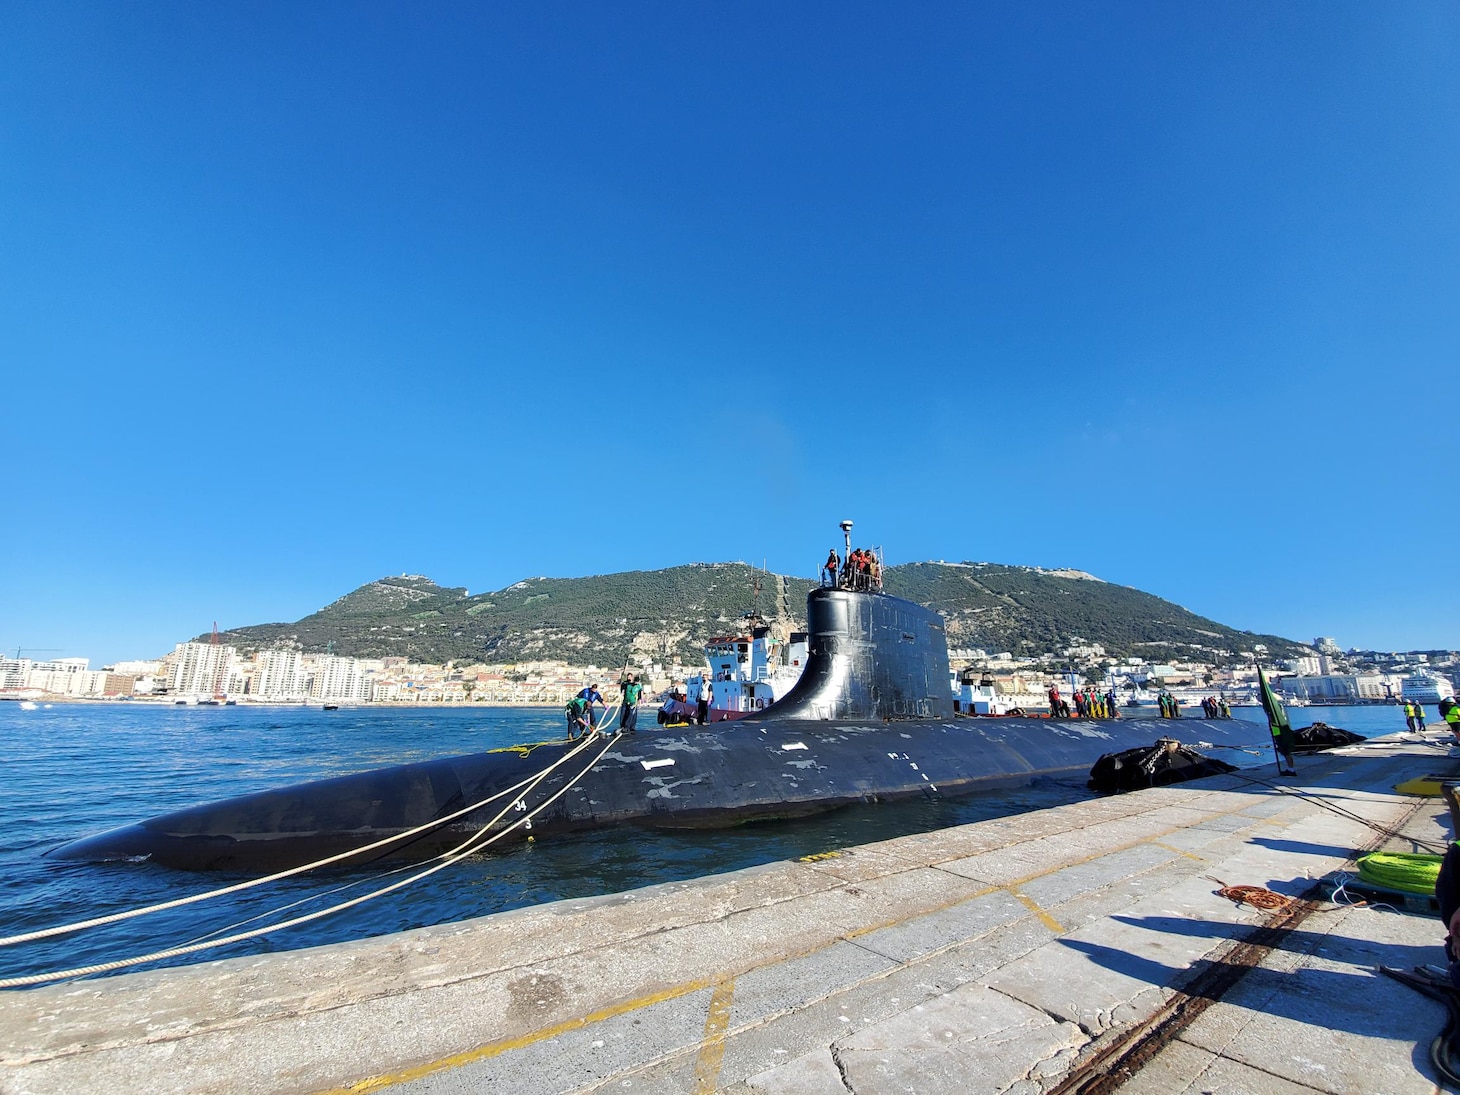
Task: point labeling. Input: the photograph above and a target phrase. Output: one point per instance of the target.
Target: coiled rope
(1401, 871)
(469, 846)
(1259, 897)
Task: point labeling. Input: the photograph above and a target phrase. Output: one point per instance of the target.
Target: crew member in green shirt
(577, 712)
(628, 720)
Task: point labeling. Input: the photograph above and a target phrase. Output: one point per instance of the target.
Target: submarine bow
(871, 719)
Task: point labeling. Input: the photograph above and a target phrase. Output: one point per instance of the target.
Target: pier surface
(1028, 954)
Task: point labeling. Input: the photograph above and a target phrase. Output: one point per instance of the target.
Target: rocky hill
(666, 613)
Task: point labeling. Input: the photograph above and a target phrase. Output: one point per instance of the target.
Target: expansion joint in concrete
(841, 1068)
(1053, 1016)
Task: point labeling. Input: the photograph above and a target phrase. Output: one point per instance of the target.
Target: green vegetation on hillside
(1027, 611)
(602, 619)
(670, 613)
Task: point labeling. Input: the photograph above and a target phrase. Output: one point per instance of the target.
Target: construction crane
(219, 669)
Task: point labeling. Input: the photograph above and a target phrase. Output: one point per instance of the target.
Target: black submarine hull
(870, 720)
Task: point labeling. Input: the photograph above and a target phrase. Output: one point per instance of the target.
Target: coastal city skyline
(51, 656)
(294, 299)
(215, 673)
(18, 650)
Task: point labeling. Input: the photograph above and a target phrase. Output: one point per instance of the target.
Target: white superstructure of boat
(975, 693)
(745, 674)
(749, 672)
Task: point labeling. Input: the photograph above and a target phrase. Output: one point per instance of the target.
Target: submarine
(870, 720)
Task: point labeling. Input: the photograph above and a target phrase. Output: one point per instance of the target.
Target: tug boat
(745, 675)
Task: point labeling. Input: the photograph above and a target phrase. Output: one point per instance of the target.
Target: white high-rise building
(337, 678)
(200, 669)
(280, 676)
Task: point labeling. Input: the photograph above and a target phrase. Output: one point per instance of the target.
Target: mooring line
(130, 914)
(468, 847)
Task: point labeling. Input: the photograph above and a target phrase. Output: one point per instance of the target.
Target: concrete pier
(1029, 954)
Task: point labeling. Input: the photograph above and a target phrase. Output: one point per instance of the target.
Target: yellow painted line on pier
(712, 1049)
(506, 1045)
(896, 920)
(1044, 918)
(1177, 851)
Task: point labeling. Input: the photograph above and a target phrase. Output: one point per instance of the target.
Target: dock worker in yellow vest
(1450, 712)
(1409, 715)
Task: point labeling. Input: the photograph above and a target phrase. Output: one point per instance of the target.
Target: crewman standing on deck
(628, 719)
(831, 568)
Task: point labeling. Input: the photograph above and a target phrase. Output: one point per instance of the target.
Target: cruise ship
(1426, 687)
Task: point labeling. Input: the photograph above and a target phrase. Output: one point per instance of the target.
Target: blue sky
(296, 296)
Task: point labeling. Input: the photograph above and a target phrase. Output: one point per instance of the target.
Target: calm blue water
(1370, 720)
(77, 769)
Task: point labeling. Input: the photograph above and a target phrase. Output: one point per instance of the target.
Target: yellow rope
(1406, 871)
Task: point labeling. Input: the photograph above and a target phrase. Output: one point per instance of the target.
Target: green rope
(1411, 873)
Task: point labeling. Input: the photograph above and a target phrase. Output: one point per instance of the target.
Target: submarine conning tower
(869, 656)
